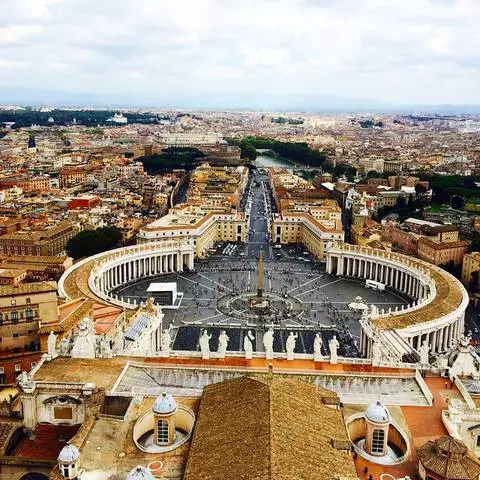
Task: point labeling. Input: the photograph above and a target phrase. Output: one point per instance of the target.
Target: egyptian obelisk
(260, 275)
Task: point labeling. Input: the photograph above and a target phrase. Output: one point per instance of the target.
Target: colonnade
(398, 278)
(130, 268)
(412, 278)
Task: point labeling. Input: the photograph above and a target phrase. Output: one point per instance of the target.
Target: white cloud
(419, 51)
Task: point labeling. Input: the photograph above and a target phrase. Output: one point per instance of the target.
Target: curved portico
(97, 276)
(437, 310)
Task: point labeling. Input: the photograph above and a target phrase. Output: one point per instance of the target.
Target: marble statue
(52, 344)
(317, 347)
(166, 341)
(333, 345)
(376, 352)
(248, 345)
(64, 347)
(268, 343)
(84, 343)
(205, 345)
(424, 350)
(105, 351)
(373, 310)
(290, 345)
(222, 343)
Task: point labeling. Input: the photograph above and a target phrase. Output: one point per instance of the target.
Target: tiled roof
(449, 458)
(268, 429)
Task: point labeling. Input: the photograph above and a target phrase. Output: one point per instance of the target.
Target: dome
(69, 453)
(140, 473)
(164, 404)
(377, 413)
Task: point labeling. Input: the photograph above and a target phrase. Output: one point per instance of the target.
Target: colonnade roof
(448, 298)
(450, 293)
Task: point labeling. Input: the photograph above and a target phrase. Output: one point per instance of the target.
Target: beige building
(470, 264)
(303, 228)
(202, 228)
(22, 307)
(441, 253)
(49, 241)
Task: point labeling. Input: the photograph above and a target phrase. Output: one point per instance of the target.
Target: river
(267, 161)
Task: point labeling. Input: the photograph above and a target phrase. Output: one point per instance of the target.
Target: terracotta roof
(27, 288)
(449, 458)
(268, 428)
(444, 245)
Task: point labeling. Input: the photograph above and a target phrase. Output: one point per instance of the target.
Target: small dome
(140, 473)
(164, 404)
(69, 453)
(377, 413)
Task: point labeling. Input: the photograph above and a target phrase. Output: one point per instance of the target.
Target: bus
(375, 285)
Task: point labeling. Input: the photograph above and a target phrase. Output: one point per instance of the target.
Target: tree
(372, 174)
(248, 151)
(90, 242)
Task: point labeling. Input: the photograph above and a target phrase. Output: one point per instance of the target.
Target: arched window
(162, 432)
(28, 313)
(377, 441)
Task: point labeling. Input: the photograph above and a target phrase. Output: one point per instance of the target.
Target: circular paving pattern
(270, 308)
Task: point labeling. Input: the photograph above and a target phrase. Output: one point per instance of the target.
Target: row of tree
(171, 158)
(90, 242)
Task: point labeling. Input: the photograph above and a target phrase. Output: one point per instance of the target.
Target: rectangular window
(478, 441)
(377, 441)
(18, 367)
(162, 432)
(2, 370)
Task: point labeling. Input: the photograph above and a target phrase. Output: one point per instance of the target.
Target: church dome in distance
(68, 454)
(140, 473)
(164, 404)
(377, 413)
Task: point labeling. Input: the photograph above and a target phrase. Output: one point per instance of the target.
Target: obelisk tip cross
(260, 275)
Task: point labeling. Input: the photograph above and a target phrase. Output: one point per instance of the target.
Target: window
(28, 313)
(66, 470)
(27, 300)
(18, 367)
(162, 431)
(377, 441)
(478, 441)
(14, 315)
(14, 302)
(2, 370)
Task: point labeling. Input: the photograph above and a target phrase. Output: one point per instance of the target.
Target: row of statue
(267, 340)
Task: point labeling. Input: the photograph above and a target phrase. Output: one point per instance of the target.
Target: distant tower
(164, 410)
(68, 462)
(260, 275)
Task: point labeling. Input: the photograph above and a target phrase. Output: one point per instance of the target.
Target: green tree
(90, 242)
(248, 151)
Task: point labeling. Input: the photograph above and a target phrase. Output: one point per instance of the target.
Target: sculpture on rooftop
(290, 345)
(317, 347)
(84, 343)
(166, 341)
(205, 344)
(333, 345)
(247, 344)
(52, 344)
(268, 343)
(424, 351)
(223, 343)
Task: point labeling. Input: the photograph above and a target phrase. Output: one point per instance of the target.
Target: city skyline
(284, 54)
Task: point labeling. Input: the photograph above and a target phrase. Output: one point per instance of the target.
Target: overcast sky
(241, 51)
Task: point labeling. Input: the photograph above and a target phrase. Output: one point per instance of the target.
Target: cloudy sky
(243, 52)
